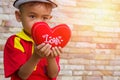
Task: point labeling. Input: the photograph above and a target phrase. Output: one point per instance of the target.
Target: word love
(56, 36)
(52, 40)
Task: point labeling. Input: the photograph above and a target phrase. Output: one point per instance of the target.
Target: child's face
(30, 14)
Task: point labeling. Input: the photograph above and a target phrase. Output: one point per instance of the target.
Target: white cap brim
(17, 3)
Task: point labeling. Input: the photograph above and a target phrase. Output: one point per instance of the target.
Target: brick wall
(93, 52)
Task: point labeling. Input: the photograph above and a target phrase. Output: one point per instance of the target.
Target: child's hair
(46, 5)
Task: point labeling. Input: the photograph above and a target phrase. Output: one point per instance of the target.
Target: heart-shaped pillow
(57, 36)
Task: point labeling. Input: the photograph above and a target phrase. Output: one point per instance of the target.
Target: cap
(17, 3)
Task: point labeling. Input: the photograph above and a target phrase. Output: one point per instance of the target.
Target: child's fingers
(60, 49)
(40, 46)
(48, 53)
(45, 48)
(52, 54)
(56, 51)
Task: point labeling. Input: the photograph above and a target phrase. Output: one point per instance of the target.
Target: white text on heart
(52, 40)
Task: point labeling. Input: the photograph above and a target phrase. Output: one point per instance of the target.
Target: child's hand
(56, 51)
(43, 50)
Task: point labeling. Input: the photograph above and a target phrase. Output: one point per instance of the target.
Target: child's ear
(18, 16)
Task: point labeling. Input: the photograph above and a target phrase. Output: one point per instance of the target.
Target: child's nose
(39, 20)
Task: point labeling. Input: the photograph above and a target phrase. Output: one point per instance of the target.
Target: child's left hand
(56, 51)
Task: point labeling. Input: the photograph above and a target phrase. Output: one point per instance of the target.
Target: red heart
(57, 36)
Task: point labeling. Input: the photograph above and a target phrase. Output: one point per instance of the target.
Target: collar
(24, 36)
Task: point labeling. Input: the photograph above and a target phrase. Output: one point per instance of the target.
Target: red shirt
(17, 51)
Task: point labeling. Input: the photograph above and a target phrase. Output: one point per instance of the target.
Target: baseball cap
(17, 3)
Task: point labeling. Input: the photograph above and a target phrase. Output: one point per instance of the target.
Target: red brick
(106, 46)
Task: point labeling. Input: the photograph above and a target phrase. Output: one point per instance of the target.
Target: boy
(22, 59)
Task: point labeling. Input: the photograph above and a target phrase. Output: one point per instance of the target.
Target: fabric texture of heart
(57, 36)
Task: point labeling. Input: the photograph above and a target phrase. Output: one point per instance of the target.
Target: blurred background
(93, 52)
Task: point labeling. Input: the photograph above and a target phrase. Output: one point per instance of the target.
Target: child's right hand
(43, 50)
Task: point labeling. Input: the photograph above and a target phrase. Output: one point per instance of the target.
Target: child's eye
(32, 16)
(45, 18)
